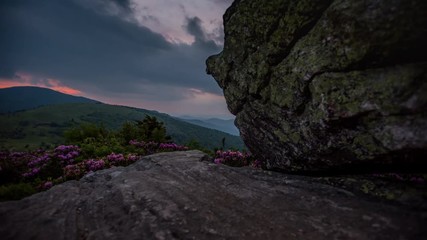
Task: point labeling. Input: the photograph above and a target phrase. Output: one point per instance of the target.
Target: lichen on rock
(324, 85)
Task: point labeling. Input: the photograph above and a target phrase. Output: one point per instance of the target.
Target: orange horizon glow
(195, 100)
(25, 80)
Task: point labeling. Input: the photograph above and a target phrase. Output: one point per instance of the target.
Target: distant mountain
(32, 117)
(215, 123)
(45, 125)
(23, 98)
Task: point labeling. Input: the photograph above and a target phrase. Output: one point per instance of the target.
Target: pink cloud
(22, 79)
(196, 103)
(170, 21)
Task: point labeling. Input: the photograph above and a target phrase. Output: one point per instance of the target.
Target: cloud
(25, 79)
(194, 28)
(225, 2)
(126, 4)
(172, 15)
(102, 48)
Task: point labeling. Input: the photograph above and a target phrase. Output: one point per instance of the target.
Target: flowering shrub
(136, 143)
(237, 159)
(98, 148)
(74, 171)
(66, 161)
(414, 178)
(121, 160)
(67, 154)
(32, 172)
(152, 147)
(13, 165)
(172, 147)
(144, 147)
(232, 158)
(40, 170)
(115, 159)
(94, 164)
(132, 157)
(41, 164)
(46, 185)
(36, 164)
(39, 161)
(257, 163)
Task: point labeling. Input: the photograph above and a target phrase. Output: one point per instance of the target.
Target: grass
(44, 126)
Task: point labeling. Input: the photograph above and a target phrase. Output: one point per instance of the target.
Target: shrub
(149, 129)
(74, 171)
(236, 159)
(85, 131)
(128, 132)
(231, 158)
(95, 165)
(195, 145)
(12, 164)
(168, 147)
(152, 147)
(93, 148)
(120, 159)
(16, 191)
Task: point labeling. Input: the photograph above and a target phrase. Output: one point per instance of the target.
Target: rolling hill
(45, 125)
(215, 123)
(23, 98)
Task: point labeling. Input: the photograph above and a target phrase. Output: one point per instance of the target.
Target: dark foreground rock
(179, 196)
(320, 85)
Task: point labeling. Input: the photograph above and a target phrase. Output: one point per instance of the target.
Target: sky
(142, 53)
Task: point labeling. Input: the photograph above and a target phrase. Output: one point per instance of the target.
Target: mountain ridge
(215, 123)
(44, 126)
(29, 97)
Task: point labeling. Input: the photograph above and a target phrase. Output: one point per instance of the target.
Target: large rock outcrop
(320, 85)
(179, 196)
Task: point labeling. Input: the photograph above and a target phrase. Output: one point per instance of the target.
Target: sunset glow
(141, 53)
(24, 79)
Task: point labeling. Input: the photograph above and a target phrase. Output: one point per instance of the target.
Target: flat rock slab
(179, 196)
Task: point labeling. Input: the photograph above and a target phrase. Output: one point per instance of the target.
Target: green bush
(87, 130)
(128, 132)
(92, 147)
(95, 141)
(16, 191)
(149, 129)
(11, 168)
(195, 145)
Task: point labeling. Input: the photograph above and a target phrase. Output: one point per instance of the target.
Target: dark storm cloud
(122, 3)
(97, 51)
(194, 28)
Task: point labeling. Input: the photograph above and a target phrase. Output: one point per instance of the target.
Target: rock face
(321, 85)
(179, 196)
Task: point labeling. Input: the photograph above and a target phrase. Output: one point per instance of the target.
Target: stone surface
(320, 85)
(179, 196)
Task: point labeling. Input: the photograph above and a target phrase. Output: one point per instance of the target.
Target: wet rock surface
(180, 196)
(328, 85)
